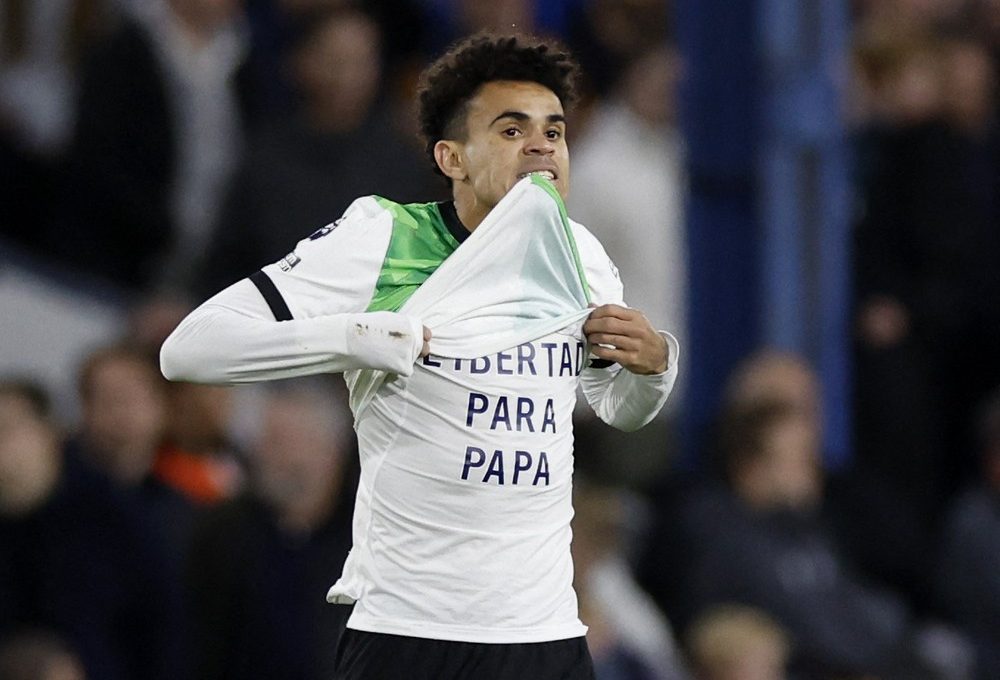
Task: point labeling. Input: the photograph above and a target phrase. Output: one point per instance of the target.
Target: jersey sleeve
(303, 314)
(335, 269)
(620, 398)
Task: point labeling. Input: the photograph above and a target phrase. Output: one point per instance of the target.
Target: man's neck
(470, 211)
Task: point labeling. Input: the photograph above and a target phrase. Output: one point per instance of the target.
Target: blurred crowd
(163, 149)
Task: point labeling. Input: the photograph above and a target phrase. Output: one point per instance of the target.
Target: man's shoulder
(583, 234)
(415, 213)
(591, 249)
(602, 273)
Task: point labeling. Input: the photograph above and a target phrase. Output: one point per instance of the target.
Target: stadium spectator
(308, 166)
(263, 561)
(41, 45)
(611, 35)
(736, 642)
(628, 636)
(198, 458)
(276, 26)
(629, 161)
(123, 414)
(926, 248)
(762, 540)
(158, 132)
(75, 561)
(764, 377)
(123, 407)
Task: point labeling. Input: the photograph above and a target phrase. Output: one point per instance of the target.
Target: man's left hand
(633, 342)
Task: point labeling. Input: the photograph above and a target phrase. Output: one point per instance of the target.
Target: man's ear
(447, 154)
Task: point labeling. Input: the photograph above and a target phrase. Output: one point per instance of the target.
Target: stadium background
(805, 192)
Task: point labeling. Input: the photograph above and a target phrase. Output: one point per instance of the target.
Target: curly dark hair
(447, 85)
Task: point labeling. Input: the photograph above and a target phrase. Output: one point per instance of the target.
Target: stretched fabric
(517, 277)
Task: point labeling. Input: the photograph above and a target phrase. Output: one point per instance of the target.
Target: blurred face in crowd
(339, 70)
(199, 416)
(650, 83)
(786, 472)
(970, 85)
(123, 415)
(299, 458)
(914, 93)
(511, 129)
(736, 642)
(29, 462)
(777, 377)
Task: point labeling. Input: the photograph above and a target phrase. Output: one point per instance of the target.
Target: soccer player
(461, 564)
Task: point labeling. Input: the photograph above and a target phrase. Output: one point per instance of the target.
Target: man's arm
(630, 392)
(234, 338)
(302, 315)
(636, 369)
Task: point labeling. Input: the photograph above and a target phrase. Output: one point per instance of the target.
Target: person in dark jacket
(262, 562)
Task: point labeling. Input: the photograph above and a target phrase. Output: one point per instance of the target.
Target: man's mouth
(547, 174)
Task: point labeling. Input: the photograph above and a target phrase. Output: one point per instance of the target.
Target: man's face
(512, 129)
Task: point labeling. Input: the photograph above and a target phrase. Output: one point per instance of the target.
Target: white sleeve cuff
(388, 341)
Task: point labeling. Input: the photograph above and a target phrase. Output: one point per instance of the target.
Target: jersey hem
(422, 629)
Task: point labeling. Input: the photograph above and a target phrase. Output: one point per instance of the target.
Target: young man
(461, 563)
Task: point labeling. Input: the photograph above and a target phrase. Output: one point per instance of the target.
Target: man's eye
(511, 132)
(554, 134)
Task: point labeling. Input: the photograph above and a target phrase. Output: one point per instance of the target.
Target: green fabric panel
(551, 191)
(419, 243)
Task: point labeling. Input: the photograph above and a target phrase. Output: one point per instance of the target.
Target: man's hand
(635, 344)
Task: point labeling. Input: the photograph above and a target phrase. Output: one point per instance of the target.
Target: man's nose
(539, 145)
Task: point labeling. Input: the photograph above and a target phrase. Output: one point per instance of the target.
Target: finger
(425, 350)
(614, 355)
(612, 325)
(615, 311)
(427, 333)
(616, 341)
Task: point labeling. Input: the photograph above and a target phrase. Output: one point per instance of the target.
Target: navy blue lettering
(501, 357)
(542, 471)
(427, 361)
(567, 360)
(522, 463)
(501, 414)
(579, 357)
(496, 468)
(550, 416)
(458, 364)
(477, 404)
(475, 368)
(526, 355)
(549, 346)
(469, 463)
(525, 407)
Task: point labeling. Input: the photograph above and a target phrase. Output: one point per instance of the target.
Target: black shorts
(379, 656)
